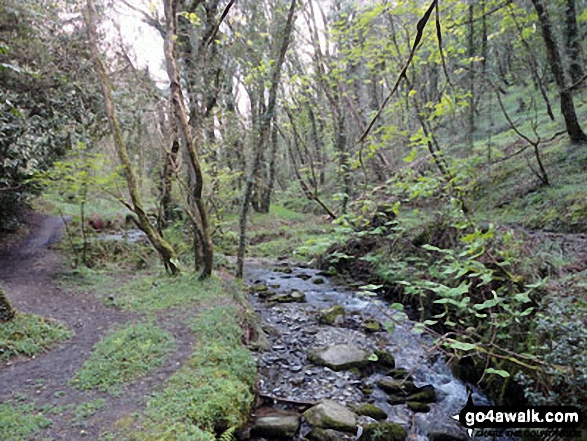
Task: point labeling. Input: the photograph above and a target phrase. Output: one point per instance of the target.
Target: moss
(384, 432)
(370, 410)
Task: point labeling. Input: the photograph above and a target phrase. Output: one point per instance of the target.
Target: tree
(7, 312)
(165, 250)
(262, 136)
(200, 214)
(556, 66)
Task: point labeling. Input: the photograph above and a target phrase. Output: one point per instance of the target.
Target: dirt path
(27, 271)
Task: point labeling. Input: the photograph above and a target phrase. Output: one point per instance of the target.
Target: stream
(294, 330)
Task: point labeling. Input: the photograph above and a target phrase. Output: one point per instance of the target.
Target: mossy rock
(259, 287)
(393, 386)
(424, 394)
(340, 357)
(384, 432)
(370, 410)
(372, 325)
(395, 399)
(416, 406)
(385, 358)
(328, 316)
(276, 426)
(291, 297)
(399, 374)
(329, 414)
(318, 281)
(318, 434)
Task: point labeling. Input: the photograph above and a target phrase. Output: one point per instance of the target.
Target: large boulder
(329, 414)
(276, 426)
(340, 357)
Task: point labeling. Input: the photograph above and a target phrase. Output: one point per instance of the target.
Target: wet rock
(318, 281)
(291, 297)
(418, 407)
(440, 436)
(276, 426)
(396, 387)
(384, 432)
(370, 410)
(340, 357)
(385, 358)
(424, 394)
(275, 286)
(329, 414)
(259, 287)
(318, 434)
(399, 374)
(265, 294)
(304, 276)
(395, 399)
(372, 325)
(330, 315)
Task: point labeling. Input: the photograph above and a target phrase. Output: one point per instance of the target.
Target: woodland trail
(28, 272)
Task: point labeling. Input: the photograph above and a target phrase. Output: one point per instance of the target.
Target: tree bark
(262, 138)
(556, 65)
(573, 42)
(7, 312)
(170, 7)
(166, 252)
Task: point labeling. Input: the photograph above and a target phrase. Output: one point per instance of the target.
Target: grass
(86, 410)
(20, 421)
(124, 356)
(211, 394)
(30, 334)
(151, 293)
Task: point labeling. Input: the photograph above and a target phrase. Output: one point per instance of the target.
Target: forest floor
(39, 398)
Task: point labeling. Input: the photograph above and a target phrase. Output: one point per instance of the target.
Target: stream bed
(291, 300)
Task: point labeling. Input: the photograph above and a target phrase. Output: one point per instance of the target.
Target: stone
(318, 281)
(304, 276)
(399, 374)
(416, 406)
(276, 426)
(370, 410)
(318, 434)
(385, 358)
(391, 385)
(372, 325)
(384, 432)
(340, 357)
(291, 297)
(328, 316)
(424, 394)
(259, 287)
(395, 399)
(329, 414)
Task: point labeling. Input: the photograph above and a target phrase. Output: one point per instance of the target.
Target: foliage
(29, 335)
(20, 421)
(212, 393)
(124, 356)
(86, 410)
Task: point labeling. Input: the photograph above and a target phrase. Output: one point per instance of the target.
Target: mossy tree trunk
(7, 312)
(201, 224)
(165, 250)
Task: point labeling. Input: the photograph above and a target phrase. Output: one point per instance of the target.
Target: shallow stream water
(293, 330)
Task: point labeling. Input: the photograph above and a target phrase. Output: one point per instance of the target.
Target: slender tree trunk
(7, 312)
(169, 164)
(573, 42)
(261, 139)
(268, 189)
(556, 65)
(471, 54)
(166, 252)
(170, 7)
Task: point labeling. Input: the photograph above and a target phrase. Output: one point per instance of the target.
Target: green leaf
(462, 346)
(500, 372)
(397, 306)
(373, 357)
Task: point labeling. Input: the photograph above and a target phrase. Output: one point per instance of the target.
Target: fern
(228, 435)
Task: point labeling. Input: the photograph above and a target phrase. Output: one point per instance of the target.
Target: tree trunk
(556, 65)
(573, 42)
(268, 188)
(177, 97)
(7, 312)
(261, 139)
(166, 252)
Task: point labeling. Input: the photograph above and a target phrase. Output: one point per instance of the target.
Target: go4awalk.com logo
(530, 422)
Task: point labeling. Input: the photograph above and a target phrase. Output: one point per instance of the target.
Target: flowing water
(293, 330)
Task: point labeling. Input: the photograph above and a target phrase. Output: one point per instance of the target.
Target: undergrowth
(210, 395)
(124, 356)
(30, 334)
